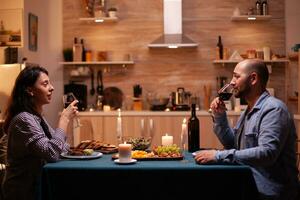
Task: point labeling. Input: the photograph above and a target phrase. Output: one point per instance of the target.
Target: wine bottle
(77, 51)
(265, 7)
(83, 56)
(258, 7)
(193, 131)
(220, 49)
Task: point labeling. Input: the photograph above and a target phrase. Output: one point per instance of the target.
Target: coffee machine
(181, 99)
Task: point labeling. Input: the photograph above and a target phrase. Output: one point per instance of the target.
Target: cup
(102, 56)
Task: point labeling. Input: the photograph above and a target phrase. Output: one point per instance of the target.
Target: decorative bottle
(77, 51)
(219, 49)
(265, 7)
(83, 56)
(193, 131)
(258, 5)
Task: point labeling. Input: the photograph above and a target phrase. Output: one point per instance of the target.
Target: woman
(31, 141)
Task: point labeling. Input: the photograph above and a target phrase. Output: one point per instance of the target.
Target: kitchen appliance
(80, 92)
(181, 99)
(8, 75)
(172, 37)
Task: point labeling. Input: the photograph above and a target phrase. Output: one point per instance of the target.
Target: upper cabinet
(11, 27)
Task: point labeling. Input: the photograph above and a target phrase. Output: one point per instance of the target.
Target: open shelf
(236, 61)
(99, 63)
(99, 19)
(251, 18)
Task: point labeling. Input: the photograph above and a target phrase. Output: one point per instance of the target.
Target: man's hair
(258, 66)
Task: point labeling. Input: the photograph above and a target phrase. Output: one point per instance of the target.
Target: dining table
(101, 178)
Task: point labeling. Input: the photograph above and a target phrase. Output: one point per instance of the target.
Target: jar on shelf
(251, 53)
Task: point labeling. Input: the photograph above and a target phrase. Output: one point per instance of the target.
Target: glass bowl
(138, 143)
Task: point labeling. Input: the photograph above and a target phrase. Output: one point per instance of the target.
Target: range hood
(172, 37)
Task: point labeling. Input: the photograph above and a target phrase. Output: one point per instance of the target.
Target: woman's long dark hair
(20, 100)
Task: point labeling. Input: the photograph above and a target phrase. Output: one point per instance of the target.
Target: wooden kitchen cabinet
(103, 128)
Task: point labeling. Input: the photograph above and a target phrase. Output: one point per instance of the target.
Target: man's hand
(217, 106)
(206, 156)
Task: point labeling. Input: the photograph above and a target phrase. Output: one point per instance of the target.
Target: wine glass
(67, 100)
(225, 92)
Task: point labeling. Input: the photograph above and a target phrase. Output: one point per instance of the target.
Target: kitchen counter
(150, 113)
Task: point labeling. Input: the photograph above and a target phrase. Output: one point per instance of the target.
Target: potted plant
(68, 54)
(112, 12)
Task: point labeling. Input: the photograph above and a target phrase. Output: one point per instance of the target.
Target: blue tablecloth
(99, 178)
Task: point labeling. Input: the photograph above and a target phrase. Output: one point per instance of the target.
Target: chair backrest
(298, 156)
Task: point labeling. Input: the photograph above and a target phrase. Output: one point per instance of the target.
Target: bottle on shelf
(265, 7)
(99, 103)
(83, 56)
(219, 49)
(193, 131)
(258, 7)
(77, 51)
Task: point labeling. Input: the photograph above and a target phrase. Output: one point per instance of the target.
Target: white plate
(94, 155)
(129, 162)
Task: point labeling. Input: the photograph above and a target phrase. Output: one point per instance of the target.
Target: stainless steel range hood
(172, 37)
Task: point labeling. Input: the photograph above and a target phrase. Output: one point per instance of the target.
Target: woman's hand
(68, 114)
(71, 111)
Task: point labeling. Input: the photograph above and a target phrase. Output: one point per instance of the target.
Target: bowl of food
(138, 143)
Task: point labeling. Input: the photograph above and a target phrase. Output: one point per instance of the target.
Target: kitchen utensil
(99, 83)
(92, 91)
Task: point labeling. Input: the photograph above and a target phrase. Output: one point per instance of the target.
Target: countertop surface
(150, 113)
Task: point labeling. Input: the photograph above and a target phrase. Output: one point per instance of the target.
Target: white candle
(167, 140)
(119, 125)
(124, 152)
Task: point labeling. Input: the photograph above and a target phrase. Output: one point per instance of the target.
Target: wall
(292, 28)
(163, 70)
(49, 47)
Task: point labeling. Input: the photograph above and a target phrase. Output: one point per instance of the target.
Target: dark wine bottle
(83, 57)
(265, 7)
(220, 48)
(258, 10)
(193, 131)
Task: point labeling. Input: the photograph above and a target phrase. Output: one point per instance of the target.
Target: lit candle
(124, 152)
(119, 126)
(167, 140)
(183, 135)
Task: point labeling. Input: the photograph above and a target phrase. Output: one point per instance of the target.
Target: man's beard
(243, 92)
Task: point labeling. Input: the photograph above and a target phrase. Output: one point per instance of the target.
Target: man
(264, 137)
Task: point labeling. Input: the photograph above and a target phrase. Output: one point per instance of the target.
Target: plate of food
(158, 153)
(82, 154)
(97, 146)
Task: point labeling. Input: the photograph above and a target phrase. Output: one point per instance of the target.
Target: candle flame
(184, 121)
(166, 134)
(119, 112)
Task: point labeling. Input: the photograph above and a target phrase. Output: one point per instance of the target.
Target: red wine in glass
(225, 92)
